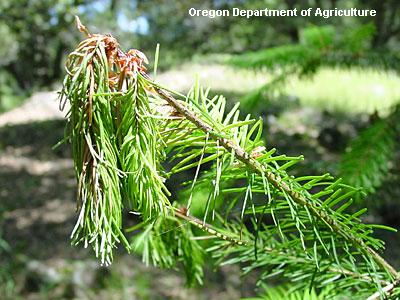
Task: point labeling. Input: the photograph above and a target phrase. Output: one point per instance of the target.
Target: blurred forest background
(326, 88)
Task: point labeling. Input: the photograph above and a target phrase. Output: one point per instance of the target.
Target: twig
(208, 228)
(215, 234)
(275, 180)
(387, 290)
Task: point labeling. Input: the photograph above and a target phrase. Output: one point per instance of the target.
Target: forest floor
(38, 186)
(37, 194)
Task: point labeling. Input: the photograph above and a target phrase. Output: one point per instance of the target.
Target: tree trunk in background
(113, 6)
(385, 21)
(292, 31)
(57, 70)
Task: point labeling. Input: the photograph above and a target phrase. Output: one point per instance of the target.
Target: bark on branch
(275, 180)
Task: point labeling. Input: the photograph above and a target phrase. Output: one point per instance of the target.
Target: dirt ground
(37, 194)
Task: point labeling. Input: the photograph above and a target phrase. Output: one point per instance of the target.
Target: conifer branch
(275, 180)
(368, 161)
(387, 290)
(183, 214)
(123, 127)
(341, 270)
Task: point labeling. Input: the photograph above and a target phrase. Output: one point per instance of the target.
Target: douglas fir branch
(123, 127)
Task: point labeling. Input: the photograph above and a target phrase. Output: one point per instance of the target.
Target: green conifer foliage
(299, 230)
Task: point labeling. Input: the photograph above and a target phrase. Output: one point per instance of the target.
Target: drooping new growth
(114, 141)
(123, 126)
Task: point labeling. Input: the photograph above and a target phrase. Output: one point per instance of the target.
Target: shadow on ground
(37, 214)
